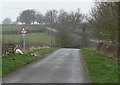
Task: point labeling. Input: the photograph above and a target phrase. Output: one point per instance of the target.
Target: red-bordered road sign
(23, 31)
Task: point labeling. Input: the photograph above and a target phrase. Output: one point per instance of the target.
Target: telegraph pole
(51, 28)
(24, 43)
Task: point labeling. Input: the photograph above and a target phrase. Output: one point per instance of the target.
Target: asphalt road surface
(62, 66)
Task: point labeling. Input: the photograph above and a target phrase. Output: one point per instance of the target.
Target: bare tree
(63, 37)
(104, 18)
(27, 17)
(33, 15)
(51, 17)
(39, 17)
(75, 19)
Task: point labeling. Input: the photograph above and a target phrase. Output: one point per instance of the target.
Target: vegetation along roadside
(12, 62)
(101, 68)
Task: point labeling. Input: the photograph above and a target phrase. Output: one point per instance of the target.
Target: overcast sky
(13, 9)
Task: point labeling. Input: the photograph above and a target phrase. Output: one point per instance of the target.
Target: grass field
(12, 62)
(14, 27)
(101, 68)
(0, 38)
(35, 39)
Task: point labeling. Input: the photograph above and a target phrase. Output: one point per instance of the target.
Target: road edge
(85, 67)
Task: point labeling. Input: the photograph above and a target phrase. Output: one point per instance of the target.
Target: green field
(0, 36)
(12, 62)
(101, 68)
(35, 39)
(14, 27)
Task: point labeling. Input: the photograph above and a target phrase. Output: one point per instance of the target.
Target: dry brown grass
(108, 48)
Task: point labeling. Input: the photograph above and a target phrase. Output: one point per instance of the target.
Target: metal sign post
(23, 32)
(23, 41)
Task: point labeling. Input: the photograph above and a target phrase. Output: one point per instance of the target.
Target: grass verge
(12, 62)
(101, 68)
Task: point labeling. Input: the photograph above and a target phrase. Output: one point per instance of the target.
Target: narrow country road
(62, 66)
